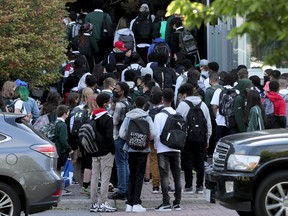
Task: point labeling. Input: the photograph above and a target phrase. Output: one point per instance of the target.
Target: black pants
(194, 158)
(137, 165)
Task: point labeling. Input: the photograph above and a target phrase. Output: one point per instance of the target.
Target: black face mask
(115, 94)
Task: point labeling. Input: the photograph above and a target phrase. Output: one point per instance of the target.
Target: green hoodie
(239, 104)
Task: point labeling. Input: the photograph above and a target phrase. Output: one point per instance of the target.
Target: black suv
(250, 173)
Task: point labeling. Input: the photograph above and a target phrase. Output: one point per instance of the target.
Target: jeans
(220, 132)
(165, 160)
(101, 166)
(121, 159)
(194, 158)
(137, 165)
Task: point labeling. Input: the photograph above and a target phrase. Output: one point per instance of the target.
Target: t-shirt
(19, 105)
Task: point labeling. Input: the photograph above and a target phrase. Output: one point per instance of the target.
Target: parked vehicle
(28, 178)
(250, 173)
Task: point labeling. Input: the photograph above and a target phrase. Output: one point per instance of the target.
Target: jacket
(104, 124)
(239, 104)
(255, 119)
(136, 113)
(279, 109)
(61, 138)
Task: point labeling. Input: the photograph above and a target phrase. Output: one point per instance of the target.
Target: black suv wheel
(9, 201)
(272, 195)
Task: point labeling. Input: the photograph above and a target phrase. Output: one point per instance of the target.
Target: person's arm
(157, 125)
(123, 129)
(63, 137)
(116, 114)
(253, 120)
(151, 128)
(109, 134)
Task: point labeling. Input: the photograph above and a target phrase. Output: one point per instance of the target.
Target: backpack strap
(165, 111)
(191, 104)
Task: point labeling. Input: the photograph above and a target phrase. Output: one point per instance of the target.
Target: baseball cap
(120, 45)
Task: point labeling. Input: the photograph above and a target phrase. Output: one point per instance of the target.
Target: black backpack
(187, 43)
(174, 132)
(226, 106)
(90, 138)
(161, 47)
(138, 133)
(80, 117)
(128, 41)
(154, 111)
(269, 113)
(196, 125)
(142, 27)
(11, 106)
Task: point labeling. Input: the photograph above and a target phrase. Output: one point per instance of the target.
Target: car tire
(242, 213)
(9, 196)
(269, 192)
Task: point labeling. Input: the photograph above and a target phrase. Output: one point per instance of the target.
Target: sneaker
(188, 190)
(155, 190)
(138, 208)
(94, 207)
(176, 207)
(199, 190)
(85, 191)
(106, 207)
(146, 180)
(128, 208)
(117, 196)
(66, 192)
(74, 182)
(163, 207)
(170, 190)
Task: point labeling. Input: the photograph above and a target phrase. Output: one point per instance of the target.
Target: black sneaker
(117, 196)
(176, 207)
(163, 207)
(199, 190)
(155, 190)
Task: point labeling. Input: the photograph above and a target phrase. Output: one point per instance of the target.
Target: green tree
(32, 45)
(266, 21)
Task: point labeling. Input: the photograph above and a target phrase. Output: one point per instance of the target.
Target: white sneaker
(106, 207)
(138, 208)
(128, 208)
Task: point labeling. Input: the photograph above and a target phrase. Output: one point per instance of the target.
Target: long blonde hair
(122, 23)
(8, 89)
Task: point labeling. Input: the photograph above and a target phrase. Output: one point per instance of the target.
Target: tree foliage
(32, 45)
(266, 21)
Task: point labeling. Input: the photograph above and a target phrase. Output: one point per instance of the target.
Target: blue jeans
(121, 159)
(165, 160)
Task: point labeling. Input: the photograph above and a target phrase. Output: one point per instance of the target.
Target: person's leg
(147, 171)
(199, 158)
(163, 164)
(176, 172)
(95, 180)
(154, 167)
(122, 166)
(106, 164)
(132, 161)
(186, 164)
(87, 174)
(140, 171)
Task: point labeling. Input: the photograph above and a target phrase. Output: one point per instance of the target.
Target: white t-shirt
(20, 105)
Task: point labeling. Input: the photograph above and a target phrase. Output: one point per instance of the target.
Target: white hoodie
(124, 31)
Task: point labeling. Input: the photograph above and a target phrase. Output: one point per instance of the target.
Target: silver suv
(28, 178)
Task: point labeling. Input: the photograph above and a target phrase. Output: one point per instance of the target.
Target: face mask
(115, 94)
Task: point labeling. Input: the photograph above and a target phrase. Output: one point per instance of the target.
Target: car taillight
(57, 193)
(47, 149)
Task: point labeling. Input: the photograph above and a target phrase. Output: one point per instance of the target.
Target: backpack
(127, 107)
(90, 138)
(187, 43)
(269, 113)
(107, 32)
(138, 133)
(128, 41)
(196, 124)
(226, 106)
(11, 106)
(49, 130)
(154, 111)
(161, 47)
(174, 131)
(80, 117)
(137, 70)
(75, 29)
(142, 27)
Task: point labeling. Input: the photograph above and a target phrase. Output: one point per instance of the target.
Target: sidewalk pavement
(190, 202)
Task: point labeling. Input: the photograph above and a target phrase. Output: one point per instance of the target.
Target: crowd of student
(115, 88)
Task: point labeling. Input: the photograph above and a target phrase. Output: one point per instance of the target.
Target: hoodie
(278, 102)
(239, 104)
(133, 114)
(105, 126)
